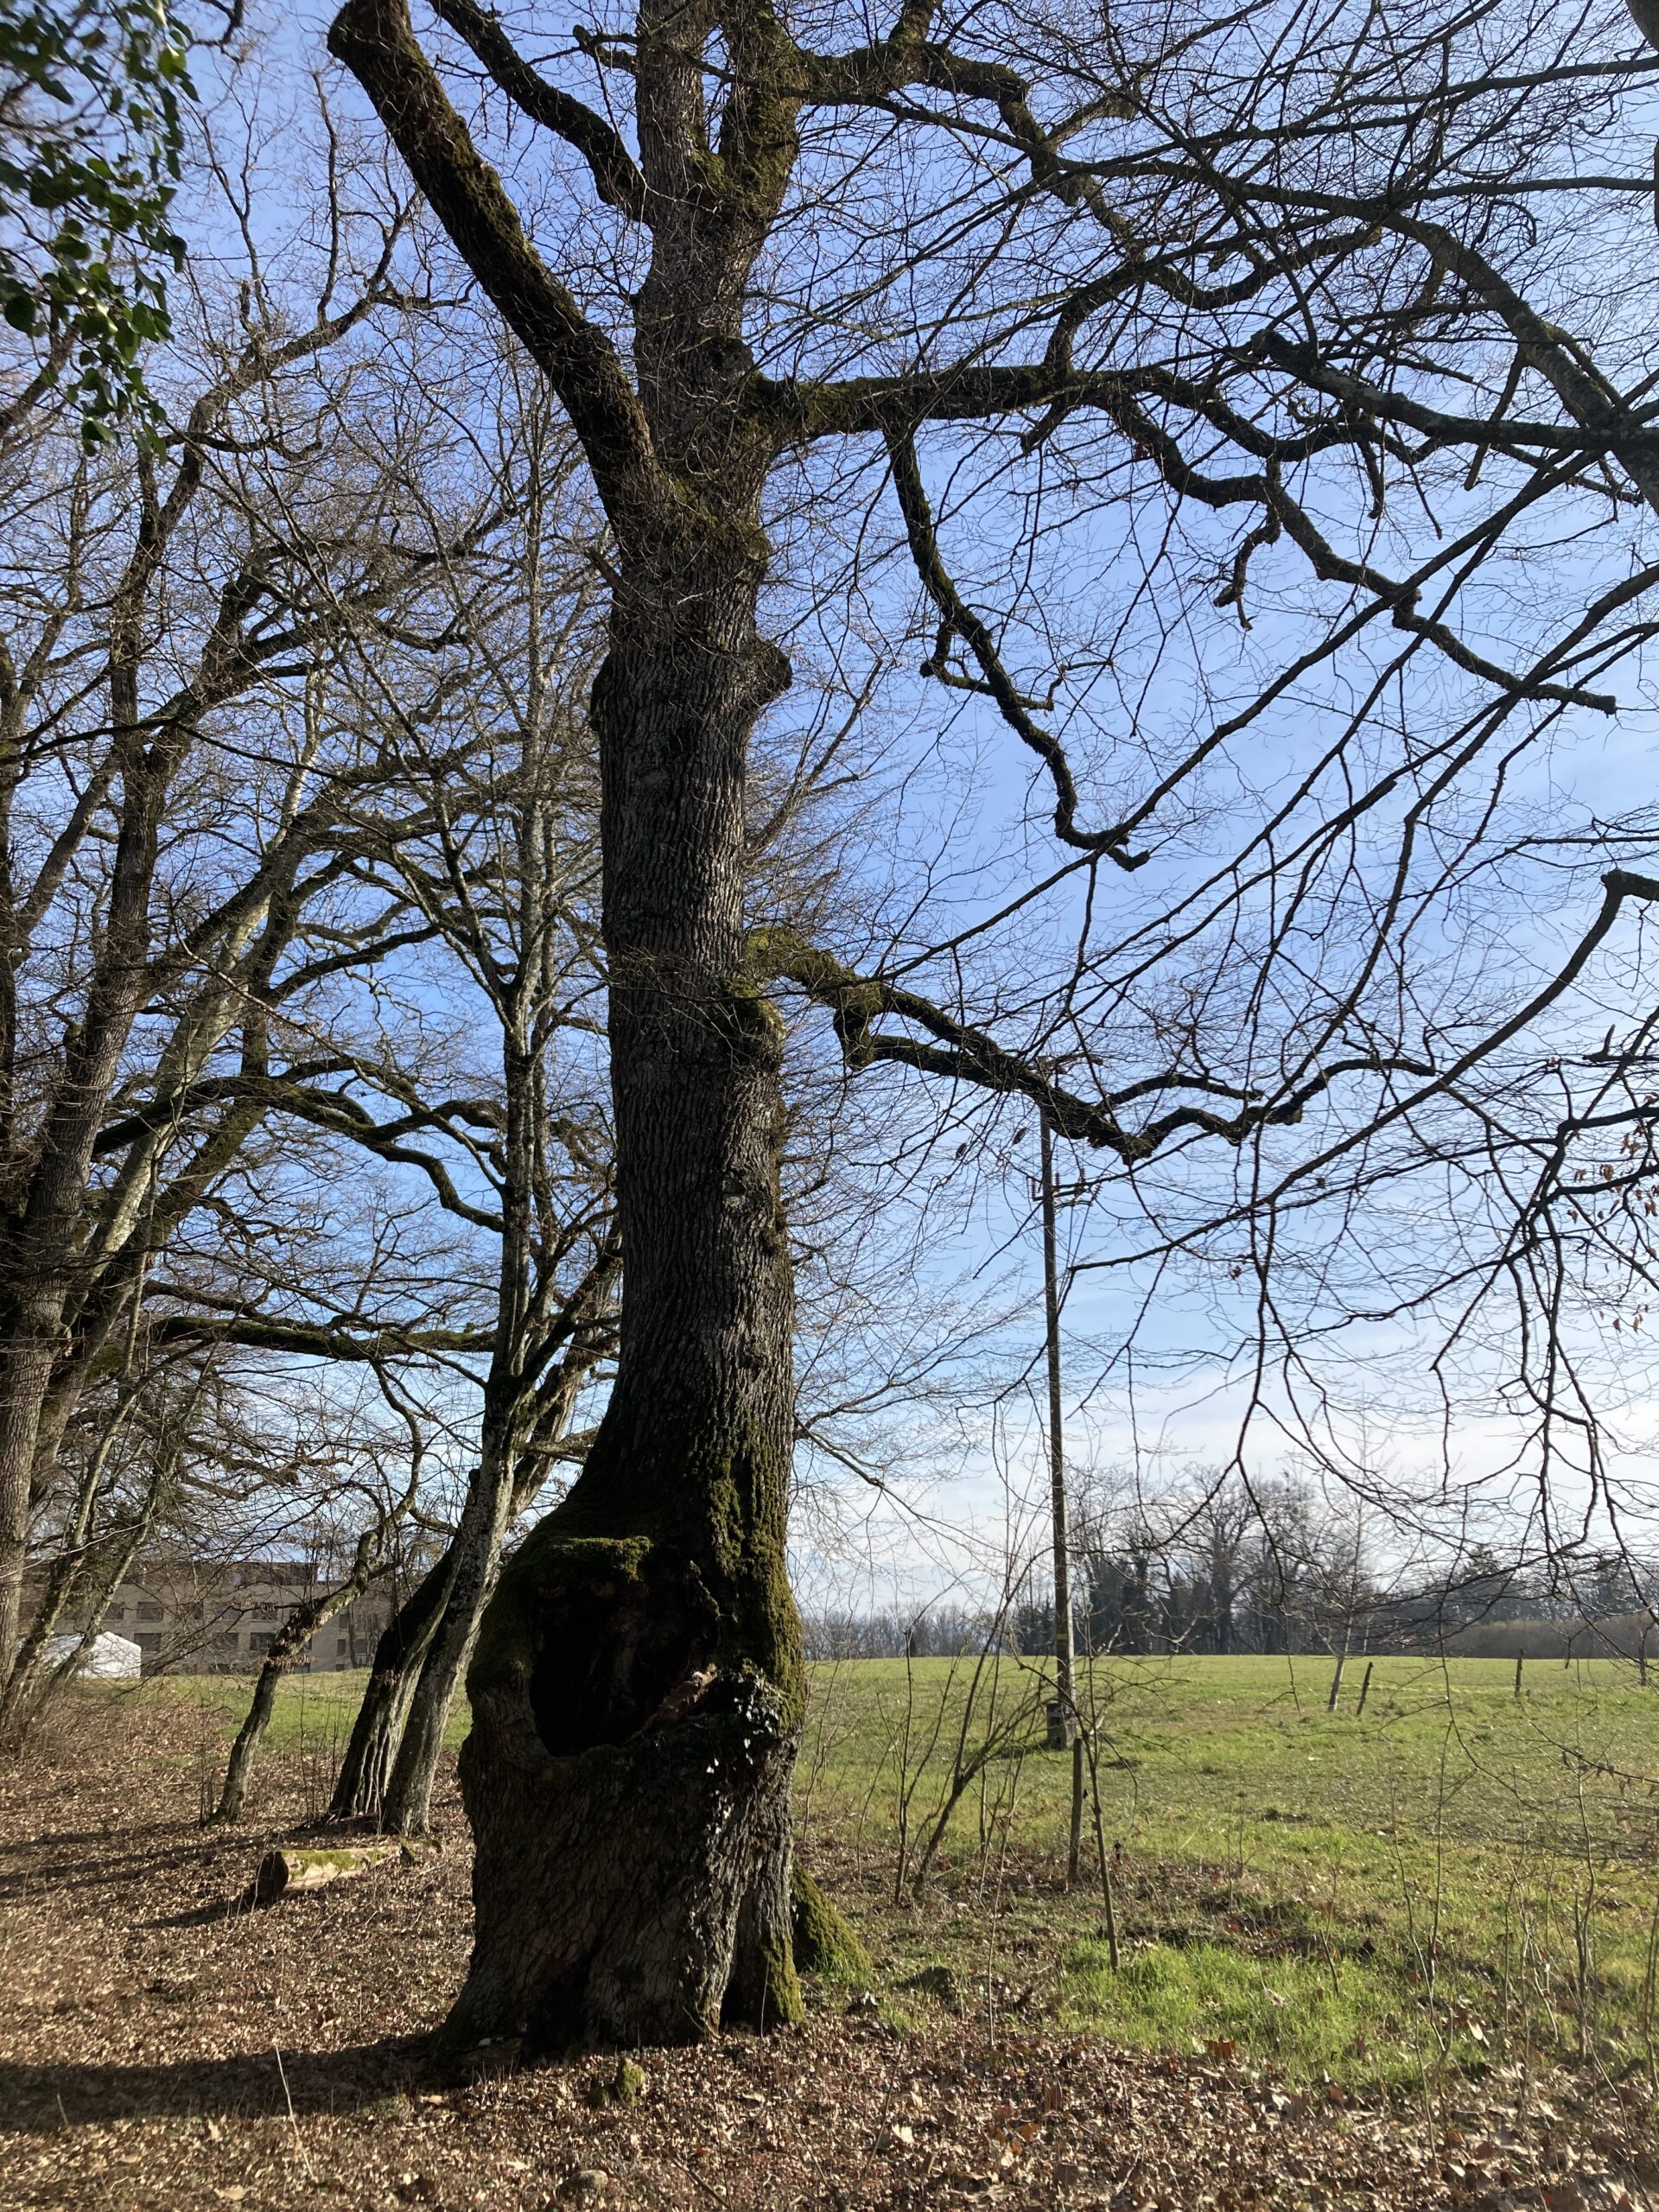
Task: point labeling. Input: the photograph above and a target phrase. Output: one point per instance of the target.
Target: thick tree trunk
(25, 1370)
(637, 1684)
(366, 1771)
(637, 1687)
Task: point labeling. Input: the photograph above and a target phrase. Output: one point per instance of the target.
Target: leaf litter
(163, 2046)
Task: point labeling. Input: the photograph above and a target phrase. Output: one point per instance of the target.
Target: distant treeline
(1296, 1584)
(1620, 1635)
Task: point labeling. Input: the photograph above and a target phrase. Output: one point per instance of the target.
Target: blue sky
(1089, 570)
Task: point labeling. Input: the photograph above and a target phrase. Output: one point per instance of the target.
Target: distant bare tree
(179, 890)
(370, 1558)
(505, 880)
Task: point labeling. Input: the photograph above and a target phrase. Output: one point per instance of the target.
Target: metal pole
(1062, 1712)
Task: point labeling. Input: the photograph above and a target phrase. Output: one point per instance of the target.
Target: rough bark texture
(365, 1771)
(637, 1685)
(509, 1475)
(631, 1856)
(637, 1689)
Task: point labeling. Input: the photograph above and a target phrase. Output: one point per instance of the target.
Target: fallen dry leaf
(146, 2105)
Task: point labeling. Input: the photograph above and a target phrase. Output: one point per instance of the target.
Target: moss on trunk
(627, 1780)
(825, 1942)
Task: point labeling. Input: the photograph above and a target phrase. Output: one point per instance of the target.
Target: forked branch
(375, 41)
(957, 619)
(615, 173)
(963, 1053)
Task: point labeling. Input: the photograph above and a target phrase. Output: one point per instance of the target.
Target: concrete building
(193, 1617)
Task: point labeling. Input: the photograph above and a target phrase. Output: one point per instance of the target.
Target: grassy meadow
(1452, 1880)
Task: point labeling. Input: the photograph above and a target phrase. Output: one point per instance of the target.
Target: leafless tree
(370, 1558)
(196, 1460)
(505, 880)
(123, 1479)
(180, 802)
(1016, 297)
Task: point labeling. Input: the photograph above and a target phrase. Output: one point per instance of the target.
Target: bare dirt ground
(162, 2048)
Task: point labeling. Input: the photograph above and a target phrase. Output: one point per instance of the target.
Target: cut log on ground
(291, 1868)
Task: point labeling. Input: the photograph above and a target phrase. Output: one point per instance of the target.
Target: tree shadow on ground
(139, 1855)
(36, 2100)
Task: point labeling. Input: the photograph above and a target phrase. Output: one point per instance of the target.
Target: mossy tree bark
(636, 1689)
(637, 1686)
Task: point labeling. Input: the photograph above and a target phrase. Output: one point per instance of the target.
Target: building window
(116, 1613)
(340, 1646)
(148, 1640)
(150, 1612)
(261, 1640)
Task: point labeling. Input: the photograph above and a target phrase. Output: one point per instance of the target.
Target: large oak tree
(1214, 274)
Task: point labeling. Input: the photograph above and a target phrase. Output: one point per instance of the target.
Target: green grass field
(1456, 1879)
